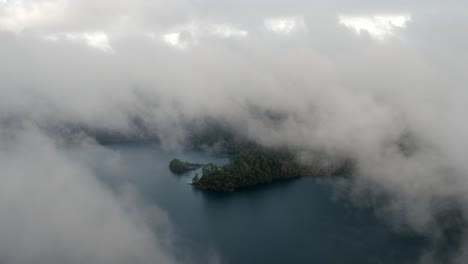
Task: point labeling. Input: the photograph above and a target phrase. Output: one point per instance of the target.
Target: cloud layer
(55, 210)
(338, 87)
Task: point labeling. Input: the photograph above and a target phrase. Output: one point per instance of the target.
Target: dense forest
(253, 166)
(249, 163)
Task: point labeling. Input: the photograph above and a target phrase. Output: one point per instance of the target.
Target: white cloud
(175, 40)
(284, 25)
(51, 37)
(182, 36)
(227, 31)
(96, 40)
(67, 206)
(378, 26)
(186, 35)
(18, 15)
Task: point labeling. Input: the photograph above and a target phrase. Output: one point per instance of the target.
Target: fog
(350, 79)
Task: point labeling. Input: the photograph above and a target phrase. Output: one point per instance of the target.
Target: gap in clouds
(377, 26)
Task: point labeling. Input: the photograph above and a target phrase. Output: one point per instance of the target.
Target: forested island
(256, 165)
(251, 164)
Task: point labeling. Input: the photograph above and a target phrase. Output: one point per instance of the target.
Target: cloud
(56, 211)
(18, 15)
(378, 26)
(174, 39)
(96, 40)
(371, 99)
(284, 25)
(227, 31)
(190, 34)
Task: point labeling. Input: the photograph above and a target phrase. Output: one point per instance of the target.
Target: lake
(296, 221)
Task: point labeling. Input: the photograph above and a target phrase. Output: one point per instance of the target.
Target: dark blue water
(296, 221)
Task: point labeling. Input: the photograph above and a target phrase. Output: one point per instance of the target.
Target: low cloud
(395, 104)
(56, 211)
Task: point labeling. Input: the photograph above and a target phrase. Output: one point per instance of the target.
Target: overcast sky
(351, 78)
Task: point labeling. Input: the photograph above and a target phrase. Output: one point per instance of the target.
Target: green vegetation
(256, 166)
(251, 164)
(195, 178)
(178, 166)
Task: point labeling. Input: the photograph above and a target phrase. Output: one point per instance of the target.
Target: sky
(352, 79)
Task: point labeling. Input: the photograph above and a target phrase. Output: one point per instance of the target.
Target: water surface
(296, 221)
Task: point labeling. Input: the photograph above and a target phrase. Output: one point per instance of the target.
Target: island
(177, 166)
(254, 166)
(250, 163)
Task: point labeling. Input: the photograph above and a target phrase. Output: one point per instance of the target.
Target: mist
(354, 89)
